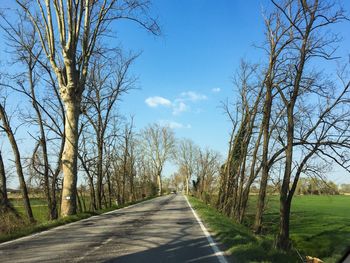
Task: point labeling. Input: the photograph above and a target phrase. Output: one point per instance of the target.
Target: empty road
(163, 229)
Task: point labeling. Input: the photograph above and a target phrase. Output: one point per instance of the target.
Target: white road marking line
(217, 252)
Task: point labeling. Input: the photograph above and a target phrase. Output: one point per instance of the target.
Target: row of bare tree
(66, 70)
(198, 169)
(293, 115)
(291, 118)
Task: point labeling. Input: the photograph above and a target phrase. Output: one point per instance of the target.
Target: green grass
(39, 207)
(320, 227)
(239, 240)
(28, 229)
(33, 201)
(40, 215)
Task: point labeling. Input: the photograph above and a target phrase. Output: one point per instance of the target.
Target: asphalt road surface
(163, 229)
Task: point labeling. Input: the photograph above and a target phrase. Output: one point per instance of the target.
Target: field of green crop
(320, 227)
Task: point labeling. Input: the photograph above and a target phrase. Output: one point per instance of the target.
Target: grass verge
(28, 229)
(240, 243)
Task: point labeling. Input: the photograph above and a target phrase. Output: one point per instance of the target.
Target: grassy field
(320, 227)
(39, 208)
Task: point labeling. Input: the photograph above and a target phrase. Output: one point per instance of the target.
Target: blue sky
(185, 74)
(189, 68)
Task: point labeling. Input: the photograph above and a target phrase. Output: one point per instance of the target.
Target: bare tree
(107, 81)
(5, 204)
(186, 157)
(208, 169)
(69, 44)
(128, 159)
(233, 173)
(278, 38)
(158, 143)
(144, 170)
(24, 42)
(307, 20)
(5, 127)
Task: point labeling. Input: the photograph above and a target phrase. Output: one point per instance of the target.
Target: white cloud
(216, 90)
(179, 107)
(156, 101)
(193, 96)
(174, 124)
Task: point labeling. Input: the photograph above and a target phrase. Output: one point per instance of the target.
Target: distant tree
(208, 167)
(345, 188)
(186, 157)
(108, 80)
(158, 143)
(176, 181)
(127, 159)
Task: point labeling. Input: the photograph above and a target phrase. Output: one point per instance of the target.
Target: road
(163, 229)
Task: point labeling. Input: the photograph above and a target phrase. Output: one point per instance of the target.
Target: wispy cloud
(158, 101)
(174, 124)
(216, 90)
(193, 96)
(180, 104)
(179, 107)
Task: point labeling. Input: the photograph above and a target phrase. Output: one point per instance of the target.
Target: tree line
(73, 79)
(292, 115)
(70, 83)
(290, 118)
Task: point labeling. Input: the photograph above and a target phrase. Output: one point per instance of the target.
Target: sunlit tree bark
(68, 32)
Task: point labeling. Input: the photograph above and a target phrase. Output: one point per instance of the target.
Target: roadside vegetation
(12, 227)
(73, 154)
(319, 228)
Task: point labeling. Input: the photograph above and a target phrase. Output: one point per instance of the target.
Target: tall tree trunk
(5, 205)
(187, 185)
(283, 237)
(252, 175)
(19, 169)
(42, 139)
(54, 182)
(4, 197)
(132, 192)
(80, 207)
(69, 158)
(238, 201)
(283, 241)
(109, 185)
(222, 188)
(125, 171)
(99, 171)
(159, 180)
(264, 162)
(93, 206)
